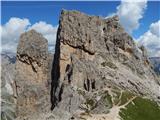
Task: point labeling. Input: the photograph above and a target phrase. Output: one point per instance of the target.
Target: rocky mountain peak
(31, 82)
(33, 45)
(97, 72)
(92, 54)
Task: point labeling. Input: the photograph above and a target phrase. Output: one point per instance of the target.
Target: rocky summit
(92, 56)
(31, 80)
(97, 73)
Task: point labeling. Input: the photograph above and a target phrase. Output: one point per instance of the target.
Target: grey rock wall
(92, 54)
(32, 79)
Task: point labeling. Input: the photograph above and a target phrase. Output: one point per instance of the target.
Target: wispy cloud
(151, 39)
(130, 12)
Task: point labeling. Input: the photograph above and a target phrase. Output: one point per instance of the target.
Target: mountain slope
(93, 54)
(98, 72)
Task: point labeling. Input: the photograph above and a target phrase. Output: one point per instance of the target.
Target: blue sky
(49, 12)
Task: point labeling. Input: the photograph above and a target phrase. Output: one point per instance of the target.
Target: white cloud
(11, 31)
(130, 12)
(155, 28)
(151, 39)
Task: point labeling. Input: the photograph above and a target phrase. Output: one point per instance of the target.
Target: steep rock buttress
(32, 79)
(92, 53)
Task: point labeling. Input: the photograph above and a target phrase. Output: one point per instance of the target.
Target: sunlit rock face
(92, 54)
(97, 72)
(31, 82)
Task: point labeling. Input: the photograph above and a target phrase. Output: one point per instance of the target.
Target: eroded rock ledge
(92, 54)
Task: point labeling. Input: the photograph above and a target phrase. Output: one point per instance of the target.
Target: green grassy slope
(141, 109)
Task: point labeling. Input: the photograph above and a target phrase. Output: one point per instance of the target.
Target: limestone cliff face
(92, 54)
(31, 73)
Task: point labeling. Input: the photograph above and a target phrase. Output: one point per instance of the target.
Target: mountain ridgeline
(92, 54)
(97, 72)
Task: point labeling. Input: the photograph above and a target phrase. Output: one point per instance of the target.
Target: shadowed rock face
(91, 54)
(32, 73)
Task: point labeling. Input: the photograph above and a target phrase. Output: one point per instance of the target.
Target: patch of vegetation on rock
(90, 102)
(88, 105)
(108, 100)
(109, 64)
(81, 92)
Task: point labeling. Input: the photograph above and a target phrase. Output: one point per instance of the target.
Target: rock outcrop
(93, 54)
(32, 87)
